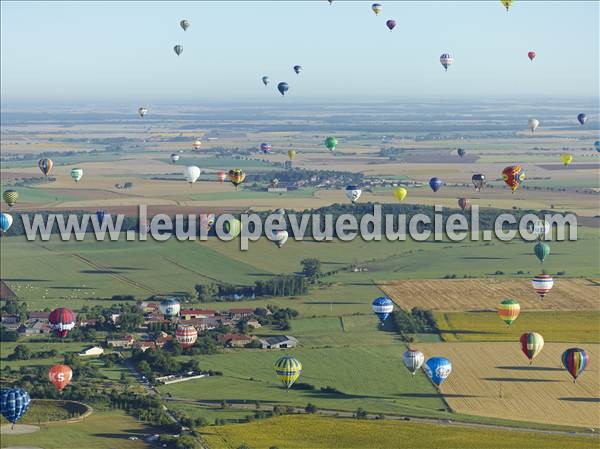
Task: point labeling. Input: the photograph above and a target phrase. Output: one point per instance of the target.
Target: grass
(45, 411)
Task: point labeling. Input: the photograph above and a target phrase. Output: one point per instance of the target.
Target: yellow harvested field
(496, 380)
(462, 295)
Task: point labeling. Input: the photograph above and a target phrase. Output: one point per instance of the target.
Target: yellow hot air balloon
(236, 176)
(566, 158)
(292, 154)
(288, 370)
(10, 197)
(507, 3)
(508, 310)
(400, 193)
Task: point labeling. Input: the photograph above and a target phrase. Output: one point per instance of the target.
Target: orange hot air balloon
(60, 376)
(221, 176)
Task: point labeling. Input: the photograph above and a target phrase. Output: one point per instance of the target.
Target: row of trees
(416, 321)
(282, 285)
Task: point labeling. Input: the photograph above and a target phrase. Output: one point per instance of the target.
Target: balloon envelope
(531, 344)
(14, 402)
(400, 193)
(184, 24)
(62, 321)
(435, 184)
(353, 193)
(531, 55)
(377, 8)
(446, 60)
(382, 307)
(533, 124)
(288, 370)
(413, 360)
(509, 310)
(60, 376)
(191, 174)
(297, 69)
(6, 221)
(169, 307)
(236, 176)
(174, 157)
(391, 24)
(542, 284)
(461, 152)
(478, 180)
(291, 154)
(76, 174)
(186, 336)
(10, 197)
(513, 176)
(265, 148)
(575, 361)
(280, 237)
(464, 203)
(541, 250)
(178, 49)
(45, 165)
(582, 118)
(142, 111)
(233, 227)
(331, 142)
(265, 80)
(207, 221)
(283, 88)
(438, 369)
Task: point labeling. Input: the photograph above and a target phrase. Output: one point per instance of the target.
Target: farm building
(39, 316)
(238, 314)
(120, 342)
(278, 342)
(91, 351)
(144, 345)
(190, 314)
(235, 340)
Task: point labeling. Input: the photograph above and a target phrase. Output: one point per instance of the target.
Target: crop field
(496, 380)
(301, 432)
(476, 295)
(578, 327)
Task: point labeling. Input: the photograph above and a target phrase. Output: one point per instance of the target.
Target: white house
(91, 351)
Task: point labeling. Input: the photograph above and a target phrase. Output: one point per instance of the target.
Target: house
(238, 314)
(235, 340)
(38, 316)
(254, 323)
(88, 323)
(91, 351)
(6, 293)
(162, 339)
(202, 324)
(10, 319)
(148, 307)
(278, 342)
(190, 314)
(144, 345)
(120, 342)
(35, 327)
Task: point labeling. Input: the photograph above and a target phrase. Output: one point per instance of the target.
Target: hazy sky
(123, 51)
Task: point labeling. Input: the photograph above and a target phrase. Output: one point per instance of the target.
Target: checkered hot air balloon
(508, 310)
(382, 307)
(542, 284)
(62, 321)
(186, 336)
(14, 402)
(288, 370)
(531, 344)
(10, 197)
(575, 361)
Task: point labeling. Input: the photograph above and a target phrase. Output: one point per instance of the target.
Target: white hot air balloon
(280, 237)
(533, 124)
(413, 360)
(191, 173)
(446, 60)
(142, 111)
(353, 193)
(174, 157)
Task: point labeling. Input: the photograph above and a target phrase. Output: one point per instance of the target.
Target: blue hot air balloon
(438, 369)
(435, 184)
(14, 403)
(100, 214)
(582, 118)
(283, 88)
(597, 145)
(382, 307)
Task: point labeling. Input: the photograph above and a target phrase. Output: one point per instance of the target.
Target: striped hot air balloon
(45, 165)
(575, 361)
(382, 307)
(508, 310)
(542, 284)
(413, 360)
(288, 370)
(221, 176)
(236, 176)
(531, 344)
(186, 336)
(62, 321)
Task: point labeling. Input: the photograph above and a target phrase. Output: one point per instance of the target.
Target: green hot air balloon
(76, 174)
(541, 250)
(331, 142)
(10, 197)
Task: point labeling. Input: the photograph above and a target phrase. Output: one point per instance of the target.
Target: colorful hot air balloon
(233, 227)
(566, 159)
(221, 176)
(288, 370)
(62, 321)
(464, 203)
(438, 369)
(391, 24)
(400, 193)
(174, 157)
(6, 221)
(541, 250)
(265, 148)
(207, 221)
(45, 165)
(435, 184)
(446, 60)
(184, 24)
(377, 8)
(353, 193)
(507, 4)
(331, 142)
(478, 180)
(191, 174)
(531, 55)
(413, 360)
(76, 174)
(186, 336)
(575, 361)
(531, 344)
(533, 124)
(178, 49)
(169, 307)
(297, 69)
(597, 145)
(14, 402)
(10, 197)
(508, 310)
(283, 88)
(461, 152)
(291, 154)
(582, 118)
(142, 111)
(279, 238)
(265, 80)
(197, 144)
(60, 376)
(236, 176)
(382, 307)
(542, 284)
(513, 176)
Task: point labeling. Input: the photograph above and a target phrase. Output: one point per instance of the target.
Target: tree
(21, 352)
(311, 267)
(360, 413)
(310, 408)
(242, 326)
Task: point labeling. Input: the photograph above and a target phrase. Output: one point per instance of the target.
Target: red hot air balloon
(186, 336)
(464, 203)
(391, 24)
(531, 55)
(60, 376)
(62, 320)
(221, 176)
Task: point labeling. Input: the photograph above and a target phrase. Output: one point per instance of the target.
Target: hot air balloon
(233, 227)
(575, 361)
(274, 182)
(413, 360)
(507, 4)
(297, 69)
(236, 176)
(184, 24)
(291, 154)
(582, 118)
(14, 402)
(533, 124)
(221, 176)
(478, 180)
(391, 24)
(513, 176)
(597, 145)
(382, 307)
(60, 376)
(438, 369)
(178, 49)
(446, 60)
(265, 80)
(508, 310)
(76, 174)
(400, 193)
(288, 370)
(186, 336)
(283, 88)
(531, 344)
(540, 229)
(331, 142)
(197, 144)
(169, 307)
(541, 250)
(10, 197)
(461, 152)
(45, 165)
(279, 238)
(377, 8)
(464, 203)
(142, 111)
(62, 321)
(353, 193)
(280, 211)
(542, 284)
(174, 157)
(207, 221)
(265, 148)
(531, 55)
(100, 215)
(6, 221)
(435, 184)
(191, 174)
